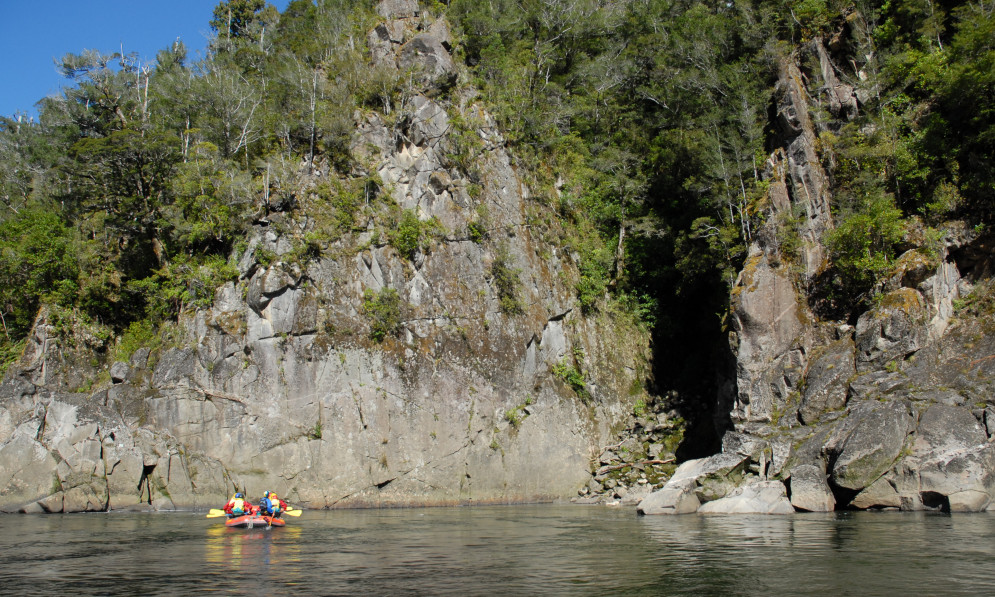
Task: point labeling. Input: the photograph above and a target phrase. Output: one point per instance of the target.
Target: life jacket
(270, 504)
(238, 506)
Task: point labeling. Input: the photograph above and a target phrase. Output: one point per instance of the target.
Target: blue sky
(33, 34)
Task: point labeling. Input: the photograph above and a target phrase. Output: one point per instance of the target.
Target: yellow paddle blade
(290, 512)
(215, 515)
(215, 512)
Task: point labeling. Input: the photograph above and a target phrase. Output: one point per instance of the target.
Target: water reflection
(273, 554)
(520, 550)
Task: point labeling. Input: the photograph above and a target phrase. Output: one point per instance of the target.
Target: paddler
(236, 506)
(272, 505)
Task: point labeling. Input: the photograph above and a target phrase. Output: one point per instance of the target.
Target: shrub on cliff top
(863, 244)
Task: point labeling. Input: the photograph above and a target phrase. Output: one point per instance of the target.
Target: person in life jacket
(272, 505)
(237, 506)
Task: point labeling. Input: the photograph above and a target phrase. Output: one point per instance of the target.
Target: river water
(512, 550)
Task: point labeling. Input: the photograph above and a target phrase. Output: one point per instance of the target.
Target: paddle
(291, 512)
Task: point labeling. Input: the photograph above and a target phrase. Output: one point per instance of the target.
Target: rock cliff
(359, 372)
(891, 409)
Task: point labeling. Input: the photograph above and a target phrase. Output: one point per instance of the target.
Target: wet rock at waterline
(809, 490)
(673, 499)
(758, 497)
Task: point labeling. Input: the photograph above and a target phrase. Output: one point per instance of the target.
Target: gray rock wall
(278, 385)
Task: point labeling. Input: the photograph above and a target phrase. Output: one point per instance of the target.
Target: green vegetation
(138, 335)
(570, 371)
(383, 310)
(465, 146)
(37, 263)
(652, 121)
(514, 417)
(506, 281)
(863, 245)
(517, 414)
(642, 130)
(478, 228)
(980, 301)
(123, 202)
(412, 235)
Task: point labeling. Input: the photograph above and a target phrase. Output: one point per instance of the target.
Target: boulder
(827, 380)
(6, 425)
(880, 494)
(429, 123)
(426, 54)
(711, 477)
(989, 419)
(89, 497)
(946, 429)
(119, 372)
(397, 9)
(760, 497)
(809, 490)
(382, 41)
(27, 473)
(941, 290)
(672, 499)
(266, 285)
(892, 330)
(766, 455)
(125, 469)
(842, 100)
(867, 443)
(52, 504)
(969, 501)
(874, 384)
(957, 463)
(440, 31)
(636, 495)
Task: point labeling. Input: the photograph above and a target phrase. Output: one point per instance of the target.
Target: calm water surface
(514, 550)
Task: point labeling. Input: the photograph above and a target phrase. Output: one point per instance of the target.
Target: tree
(211, 206)
(20, 141)
(235, 18)
(37, 261)
(104, 98)
(230, 111)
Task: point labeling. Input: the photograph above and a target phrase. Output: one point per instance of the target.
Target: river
(511, 550)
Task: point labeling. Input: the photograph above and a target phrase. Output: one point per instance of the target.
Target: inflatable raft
(250, 521)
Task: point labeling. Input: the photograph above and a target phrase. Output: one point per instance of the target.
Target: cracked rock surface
(278, 385)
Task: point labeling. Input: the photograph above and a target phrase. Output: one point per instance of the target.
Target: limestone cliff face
(278, 385)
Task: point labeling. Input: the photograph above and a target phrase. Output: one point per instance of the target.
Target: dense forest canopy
(644, 125)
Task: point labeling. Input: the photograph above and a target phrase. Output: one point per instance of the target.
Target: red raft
(254, 521)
